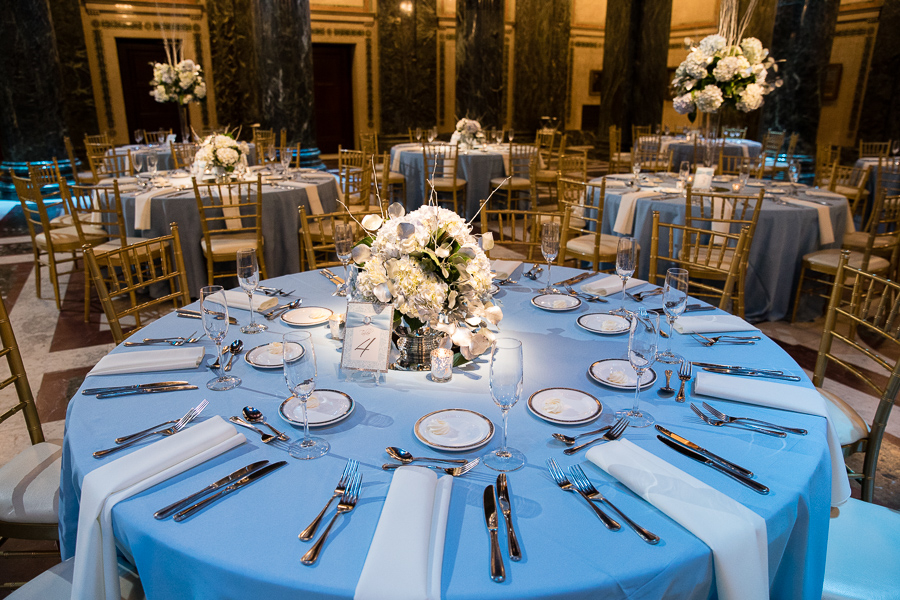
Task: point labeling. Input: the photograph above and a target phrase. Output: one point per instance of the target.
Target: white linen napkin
(504, 268)
(711, 324)
(735, 534)
(96, 571)
(722, 209)
(143, 361)
(615, 183)
(850, 226)
(406, 555)
(312, 194)
(142, 206)
(826, 229)
(625, 217)
(611, 284)
(785, 397)
(239, 299)
(122, 180)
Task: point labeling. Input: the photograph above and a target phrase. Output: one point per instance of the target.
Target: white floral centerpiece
(468, 133)
(182, 83)
(221, 150)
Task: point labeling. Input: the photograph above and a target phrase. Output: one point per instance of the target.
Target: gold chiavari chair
(183, 154)
(388, 181)
(583, 206)
(294, 151)
(548, 174)
(648, 156)
(883, 225)
(573, 166)
(283, 138)
(771, 149)
(639, 131)
(619, 162)
(231, 218)
(79, 177)
(317, 236)
(730, 164)
(368, 143)
(718, 255)
(100, 138)
(131, 271)
(516, 230)
(48, 176)
(522, 161)
(826, 157)
(545, 142)
(355, 177)
(780, 165)
(850, 182)
(874, 149)
(263, 139)
(96, 150)
(157, 137)
(441, 174)
(734, 133)
(111, 165)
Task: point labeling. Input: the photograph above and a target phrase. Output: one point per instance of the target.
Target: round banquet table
(784, 234)
(246, 546)
(683, 149)
(165, 160)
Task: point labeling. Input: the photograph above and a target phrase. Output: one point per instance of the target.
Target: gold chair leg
(797, 295)
(54, 280)
(87, 294)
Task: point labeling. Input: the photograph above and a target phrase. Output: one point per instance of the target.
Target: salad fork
(613, 434)
(639, 297)
(182, 422)
(350, 470)
(685, 372)
(726, 339)
(533, 272)
(346, 505)
(585, 295)
(560, 478)
(584, 485)
(722, 416)
(570, 439)
(719, 423)
(454, 471)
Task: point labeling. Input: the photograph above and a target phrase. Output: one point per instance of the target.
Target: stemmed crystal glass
(635, 170)
(138, 135)
(674, 302)
(432, 133)
(299, 357)
(418, 134)
(794, 174)
(287, 155)
(270, 153)
(642, 343)
(137, 161)
(744, 175)
(895, 148)
(626, 262)
(343, 246)
(152, 160)
(214, 309)
(248, 276)
(550, 249)
(506, 387)
(683, 171)
(511, 134)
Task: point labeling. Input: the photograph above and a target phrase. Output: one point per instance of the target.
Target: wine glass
(152, 161)
(287, 155)
(895, 148)
(137, 159)
(642, 343)
(248, 276)
(506, 387)
(432, 133)
(511, 134)
(635, 170)
(299, 357)
(343, 246)
(270, 153)
(683, 171)
(418, 134)
(744, 175)
(674, 302)
(138, 136)
(626, 262)
(550, 249)
(794, 174)
(214, 309)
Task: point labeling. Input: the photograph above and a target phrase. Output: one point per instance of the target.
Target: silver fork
(719, 423)
(172, 341)
(560, 478)
(585, 295)
(454, 471)
(685, 372)
(280, 310)
(584, 484)
(187, 418)
(533, 272)
(726, 339)
(350, 470)
(613, 434)
(506, 281)
(570, 439)
(639, 297)
(346, 505)
(720, 415)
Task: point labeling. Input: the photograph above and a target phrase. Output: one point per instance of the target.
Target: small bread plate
(619, 373)
(306, 316)
(565, 406)
(604, 323)
(454, 430)
(556, 302)
(267, 356)
(323, 408)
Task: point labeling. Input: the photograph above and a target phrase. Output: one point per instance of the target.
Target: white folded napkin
(96, 571)
(735, 534)
(142, 206)
(625, 217)
(850, 226)
(611, 284)
(785, 397)
(504, 268)
(711, 324)
(723, 209)
(406, 555)
(615, 183)
(312, 194)
(239, 299)
(826, 229)
(143, 361)
(121, 180)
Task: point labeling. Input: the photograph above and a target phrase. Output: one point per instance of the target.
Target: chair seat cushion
(514, 183)
(68, 236)
(827, 261)
(859, 239)
(863, 553)
(584, 244)
(227, 245)
(29, 485)
(56, 584)
(846, 190)
(393, 177)
(848, 425)
(115, 244)
(446, 183)
(546, 175)
(62, 221)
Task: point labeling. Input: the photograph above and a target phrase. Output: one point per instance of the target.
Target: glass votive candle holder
(337, 322)
(736, 186)
(441, 365)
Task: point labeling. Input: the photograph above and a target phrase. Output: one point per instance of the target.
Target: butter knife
(689, 308)
(578, 278)
(737, 367)
(515, 553)
(239, 474)
(119, 388)
(224, 492)
(753, 485)
(752, 373)
(498, 573)
(703, 451)
(171, 388)
(196, 315)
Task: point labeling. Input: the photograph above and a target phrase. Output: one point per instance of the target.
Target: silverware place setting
(454, 471)
(569, 440)
(685, 373)
(728, 419)
(234, 349)
(614, 433)
(269, 291)
(172, 341)
(269, 439)
(584, 485)
(135, 438)
(350, 470)
(405, 457)
(254, 415)
(533, 272)
(737, 367)
(589, 297)
(195, 314)
(750, 372)
(277, 311)
(716, 422)
(491, 521)
(173, 508)
(567, 486)
(243, 481)
(137, 386)
(747, 340)
(503, 500)
(345, 506)
(639, 296)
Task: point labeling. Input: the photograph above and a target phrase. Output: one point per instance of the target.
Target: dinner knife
(239, 474)
(515, 553)
(753, 485)
(578, 278)
(171, 388)
(119, 388)
(752, 373)
(689, 308)
(737, 367)
(703, 451)
(498, 573)
(193, 314)
(332, 278)
(247, 479)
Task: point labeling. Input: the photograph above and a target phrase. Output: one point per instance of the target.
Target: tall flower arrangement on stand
(468, 133)
(178, 80)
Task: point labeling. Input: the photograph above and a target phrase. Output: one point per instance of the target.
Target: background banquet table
(890, 181)
(165, 161)
(784, 233)
(247, 546)
(683, 149)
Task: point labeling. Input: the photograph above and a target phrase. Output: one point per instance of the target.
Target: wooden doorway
(333, 76)
(141, 110)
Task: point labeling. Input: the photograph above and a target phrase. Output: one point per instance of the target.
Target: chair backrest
(517, 230)
(638, 131)
(263, 138)
(887, 176)
(45, 175)
(111, 165)
(573, 166)
(134, 269)
(522, 160)
(772, 142)
(91, 207)
(441, 162)
(852, 183)
(873, 149)
(582, 204)
(355, 176)
(183, 154)
(282, 142)
(17, 377)
(73, 160)
(792, 145)
(34, 210)
(723, 212)
(157, 137)
(545, 142)
(649, 158)
(615, 141)
(826, 156)
(718, 256)
(368, 143)
(730, 164)
(317, 235)
(734, 133)
(100, 138)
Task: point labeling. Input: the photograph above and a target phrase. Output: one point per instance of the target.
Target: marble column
(479, 61)
(233, 62)
(761, 26)
(407, 56)
(802, 37)
(879, 118)
(541, 62)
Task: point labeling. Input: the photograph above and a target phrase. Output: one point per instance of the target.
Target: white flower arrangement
(182, 82)
(221, 150)
(468, 131)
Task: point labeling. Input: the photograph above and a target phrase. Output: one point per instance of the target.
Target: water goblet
(138, 135)
(626, 262)
(744, 175)
(431, 134)
(511, 134)
(299, 358)
(287, 155)
(506, 388)
(418, 134)
(550, 249)
(794, 174)
(271, 153)
(674, 303)
(642, 343)
(248, 276)
(152, 161)
(343, 247)
(214, 309)
(137, 159)
(635, 170)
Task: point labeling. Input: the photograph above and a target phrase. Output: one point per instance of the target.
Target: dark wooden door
(333, 74)
(141, 110)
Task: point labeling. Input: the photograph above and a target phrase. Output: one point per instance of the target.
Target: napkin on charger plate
(735, 534)
(406, 555)
(712, 324)
(239, 299)
(143, 361)
(504, 268)
(785, 397)
(611, 284)
(96, 572)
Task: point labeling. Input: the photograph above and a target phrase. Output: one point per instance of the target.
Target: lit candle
(441, 365)
(336, 323)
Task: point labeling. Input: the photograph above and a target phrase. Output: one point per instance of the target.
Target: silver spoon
(234, 349)
(570, 439)
(405, 457)
(254, 415)
(281, 309)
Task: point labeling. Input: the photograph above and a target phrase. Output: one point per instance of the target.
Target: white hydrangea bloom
(709, 99)
(753, 50)
(751, 98)
(228, 156)
(684, 104)
(712, 44)
(695, 65)
(730, 67)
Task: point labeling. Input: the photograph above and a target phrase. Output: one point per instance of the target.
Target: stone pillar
(233, 63)
(479, 61)
(802, 37)
(879, 118)
(761, 25)
(541, 62)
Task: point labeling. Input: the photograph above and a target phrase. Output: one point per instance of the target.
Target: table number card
(703, 178)
(367, 337)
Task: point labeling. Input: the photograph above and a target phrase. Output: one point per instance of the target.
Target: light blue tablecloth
(246, 546)
(165, 160)
(683, 149)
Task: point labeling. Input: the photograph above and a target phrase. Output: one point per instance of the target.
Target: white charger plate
(576, 407)
(334, 406)
(306, 316)
(468, 430)
(593, 322)
(600, 372)
(261, 357)
(556, 302)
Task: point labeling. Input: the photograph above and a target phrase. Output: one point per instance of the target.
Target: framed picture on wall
(831, 82)
(596, 83)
